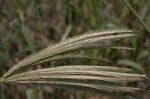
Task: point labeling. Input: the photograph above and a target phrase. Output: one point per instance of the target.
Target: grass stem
(137, 16)
(1, 6)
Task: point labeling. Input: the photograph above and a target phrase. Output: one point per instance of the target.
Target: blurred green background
(27, 26)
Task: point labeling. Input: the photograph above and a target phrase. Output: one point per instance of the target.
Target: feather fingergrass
(97, 78)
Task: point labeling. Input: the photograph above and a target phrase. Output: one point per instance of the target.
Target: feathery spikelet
(83, 77)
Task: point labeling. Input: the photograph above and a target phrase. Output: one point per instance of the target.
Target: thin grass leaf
(1, 8)
(137, 15)
(138, 67)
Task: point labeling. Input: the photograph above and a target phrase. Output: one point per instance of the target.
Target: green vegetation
(104, 62)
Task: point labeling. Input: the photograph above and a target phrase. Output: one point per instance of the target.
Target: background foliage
(30, 25)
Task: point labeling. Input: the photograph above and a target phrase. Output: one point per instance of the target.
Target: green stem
(1, 6)
(137, 16)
